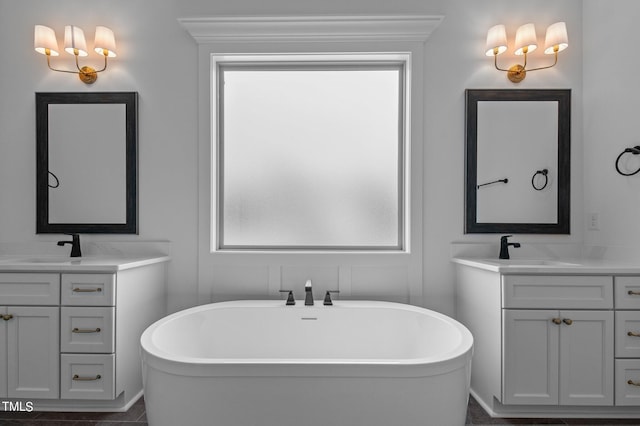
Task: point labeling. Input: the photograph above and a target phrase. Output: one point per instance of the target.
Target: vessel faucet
(308, 297)
(75, 245)
(504, 246)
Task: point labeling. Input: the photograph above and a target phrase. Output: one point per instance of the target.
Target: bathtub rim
(158, 359)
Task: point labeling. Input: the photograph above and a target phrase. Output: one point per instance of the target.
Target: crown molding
(311, 28)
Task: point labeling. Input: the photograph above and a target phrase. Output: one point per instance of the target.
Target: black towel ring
(635, 151)
(57, 184)
(543, 172)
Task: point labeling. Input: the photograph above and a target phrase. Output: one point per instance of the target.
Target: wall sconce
(556, 40)
(45, 42)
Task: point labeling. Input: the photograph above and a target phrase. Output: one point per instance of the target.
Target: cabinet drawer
(557, 291)
(29, 289)
(628, 334)
(627, 292)
(87, 329)
(87, 376)
(627, 382)
(88, 289)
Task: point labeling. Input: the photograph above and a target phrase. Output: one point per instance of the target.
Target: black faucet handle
(75, 245)
(327, 297)
(290, 300)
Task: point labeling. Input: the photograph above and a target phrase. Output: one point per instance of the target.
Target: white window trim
(404, 207)
(229, 36)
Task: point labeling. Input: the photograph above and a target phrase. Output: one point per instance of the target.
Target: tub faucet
(504, 246)
(308, 297)
(75, 245)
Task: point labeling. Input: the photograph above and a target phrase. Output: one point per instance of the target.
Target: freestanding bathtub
(261, 363)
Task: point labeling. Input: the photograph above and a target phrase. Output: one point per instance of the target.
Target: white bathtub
(261, 363)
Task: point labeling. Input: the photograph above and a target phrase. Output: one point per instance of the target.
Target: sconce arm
(495, 56)
(83, 71)
(555, 54)
(56, 69)
(79, 69)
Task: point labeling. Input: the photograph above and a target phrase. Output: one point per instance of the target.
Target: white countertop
(551, 266)
(98, 263)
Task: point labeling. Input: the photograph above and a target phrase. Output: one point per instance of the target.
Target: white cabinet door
(531, 357)
(3, 354)
(586, 358)
(33, 352)
(558, 357)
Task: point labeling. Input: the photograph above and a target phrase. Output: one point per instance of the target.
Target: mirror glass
(86, 174)
(517, 157)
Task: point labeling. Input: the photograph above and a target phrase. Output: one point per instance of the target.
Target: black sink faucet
(504, 246)
(75, 245)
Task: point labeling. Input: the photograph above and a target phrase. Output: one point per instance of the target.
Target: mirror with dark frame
(517, 154)
(86, 168)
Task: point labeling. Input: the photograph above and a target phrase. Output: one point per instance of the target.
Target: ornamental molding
(311, 28)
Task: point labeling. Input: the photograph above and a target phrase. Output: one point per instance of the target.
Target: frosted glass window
(310, 156)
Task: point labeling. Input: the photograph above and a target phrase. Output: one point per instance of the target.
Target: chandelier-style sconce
(45, 42)
(556, 40)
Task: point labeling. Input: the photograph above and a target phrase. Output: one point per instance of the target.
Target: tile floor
(136, 417)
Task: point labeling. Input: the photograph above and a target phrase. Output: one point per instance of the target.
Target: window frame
(286, 61)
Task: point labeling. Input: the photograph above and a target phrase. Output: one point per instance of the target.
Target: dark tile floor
(477, 416)
(136, 416)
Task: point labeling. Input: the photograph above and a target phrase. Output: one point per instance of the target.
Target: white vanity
(70, 329)
(552, 338)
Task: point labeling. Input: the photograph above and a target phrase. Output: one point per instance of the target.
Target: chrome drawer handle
(633, 334)
(87, 290)
(86, 330)
(86, 379)
(6, 317)
(632, 383)
(633, 293)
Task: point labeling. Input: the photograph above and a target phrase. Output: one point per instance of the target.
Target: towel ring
(543, 172)
(57, 184)
(635, 151)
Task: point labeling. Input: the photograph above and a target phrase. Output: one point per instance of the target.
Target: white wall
(158, 59)
(611, 114)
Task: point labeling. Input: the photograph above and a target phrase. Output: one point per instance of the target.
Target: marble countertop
(551, 266)
(97, 263)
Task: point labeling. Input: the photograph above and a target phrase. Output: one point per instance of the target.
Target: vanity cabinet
(70, 337)
(552, 341)
(29, 335)
(627, 350)
(558, 357)
(555, 353)
(87, 332)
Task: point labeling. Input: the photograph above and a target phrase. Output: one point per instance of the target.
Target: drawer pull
(7, 317)
(86, 379)
(632, 383)
(87, 290)
(86, 330)
(633, 293)
(567, 321)
(633, 334)
(556, 321)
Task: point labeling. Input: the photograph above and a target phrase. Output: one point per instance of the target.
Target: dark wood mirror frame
(563, 97)
(43, 100)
